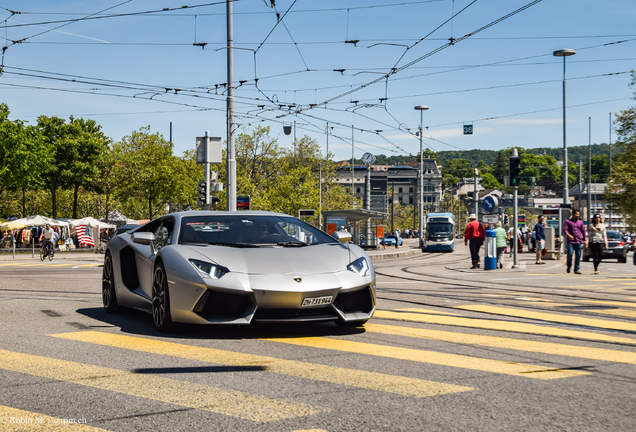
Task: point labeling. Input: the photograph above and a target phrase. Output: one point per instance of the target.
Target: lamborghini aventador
(208, 267)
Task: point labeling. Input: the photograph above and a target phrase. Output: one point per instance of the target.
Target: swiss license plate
(317, 301)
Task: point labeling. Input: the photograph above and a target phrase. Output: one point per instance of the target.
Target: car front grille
(357, 301)
(281, 315)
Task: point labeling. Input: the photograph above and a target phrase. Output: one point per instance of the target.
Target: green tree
(24, 154)
(76, 146)
(622, 185)
(147, 173)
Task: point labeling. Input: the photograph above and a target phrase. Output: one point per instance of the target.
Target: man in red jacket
(476, 234)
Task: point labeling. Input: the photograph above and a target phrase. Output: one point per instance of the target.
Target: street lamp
(564, 53)
(421, 109)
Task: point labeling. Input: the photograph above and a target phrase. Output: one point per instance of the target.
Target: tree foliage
(623, 181)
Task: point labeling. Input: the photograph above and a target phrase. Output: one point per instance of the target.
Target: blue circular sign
(490, 204)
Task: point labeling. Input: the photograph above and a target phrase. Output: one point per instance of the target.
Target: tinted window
(613, 235)
(247, 230)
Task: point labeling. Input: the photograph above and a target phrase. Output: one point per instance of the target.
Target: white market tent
(37, 220)
(92, 222)
(116, 217)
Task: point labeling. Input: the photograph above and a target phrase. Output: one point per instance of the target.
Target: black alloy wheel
(161, 300)
(108, 286)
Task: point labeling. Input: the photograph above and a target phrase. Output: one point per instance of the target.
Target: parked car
(125, 228)
(390, 239)
(616, 248)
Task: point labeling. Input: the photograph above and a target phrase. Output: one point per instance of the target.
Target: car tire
(352, 323)
(161, 300)
(109, 298)
(623, 260)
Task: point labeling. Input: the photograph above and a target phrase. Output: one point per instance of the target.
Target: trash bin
(490, 259)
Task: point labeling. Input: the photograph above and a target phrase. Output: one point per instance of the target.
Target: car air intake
(216, 304)
(357, 301)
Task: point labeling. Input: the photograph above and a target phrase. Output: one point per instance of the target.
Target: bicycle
(47, 251)
(380, 245)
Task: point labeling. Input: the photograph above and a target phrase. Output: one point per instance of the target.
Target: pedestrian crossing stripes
(433, 357)
(502, 325)
(337, 375)
(13, 419)
(520, 265)
(602, 354)
(542, 316)
(192, 395)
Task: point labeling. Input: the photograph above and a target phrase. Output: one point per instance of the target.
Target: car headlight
(208, 269)
(359, 266)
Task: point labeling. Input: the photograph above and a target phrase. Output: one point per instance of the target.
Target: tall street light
(564, 53)
(421, 109)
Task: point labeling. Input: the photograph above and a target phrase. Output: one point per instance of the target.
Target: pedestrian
(576, 238)
(502, 241)
(598, 238)
(475, 234)
(511, 235)
(539, 237)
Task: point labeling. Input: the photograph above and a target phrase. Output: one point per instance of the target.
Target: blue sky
(119, 62)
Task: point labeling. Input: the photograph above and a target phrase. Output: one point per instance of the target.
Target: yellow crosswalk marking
(609, 303)
(432, 357)
(501, 326)
(13, 419)
(228, 402)
(507, 343)
(431, 311)
(357, 378)
(542, 316)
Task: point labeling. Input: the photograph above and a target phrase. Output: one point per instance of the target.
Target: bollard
(490, 258)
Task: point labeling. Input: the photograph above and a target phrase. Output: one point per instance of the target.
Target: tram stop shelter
(352, 220)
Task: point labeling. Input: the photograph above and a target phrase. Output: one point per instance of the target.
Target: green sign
(468, 129)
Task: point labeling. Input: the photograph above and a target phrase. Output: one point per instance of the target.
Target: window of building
(399, 190)
(410, 190)
(411, 200)
(358, 190)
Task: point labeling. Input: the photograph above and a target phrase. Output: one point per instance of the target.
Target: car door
(162, 228)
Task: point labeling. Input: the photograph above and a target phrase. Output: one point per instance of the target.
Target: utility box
(552, 252)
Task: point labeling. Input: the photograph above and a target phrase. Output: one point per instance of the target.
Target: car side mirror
(342, 236)
(145, 238)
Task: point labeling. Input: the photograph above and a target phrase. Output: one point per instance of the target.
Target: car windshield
(613, 235)
(242, 230)
(439, 229)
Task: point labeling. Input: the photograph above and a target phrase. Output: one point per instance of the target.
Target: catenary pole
(231, 148)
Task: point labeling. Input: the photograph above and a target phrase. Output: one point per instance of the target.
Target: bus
(440, 233)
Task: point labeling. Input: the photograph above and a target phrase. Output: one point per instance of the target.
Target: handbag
(544, 252)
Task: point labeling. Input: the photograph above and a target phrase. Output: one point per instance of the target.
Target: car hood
(315, 259)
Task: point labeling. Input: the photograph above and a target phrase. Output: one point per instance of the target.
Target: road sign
(468, 129)
(212, 153)
(306, 213)
(243, 202)
(490, 204)
(491, 219)
(521, 220)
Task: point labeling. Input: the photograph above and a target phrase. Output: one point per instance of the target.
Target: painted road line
(228, 402)
(602, 354)
(609, 303)
(545, 304)
(13, 419)
(432, 357)
(431, 311)
(542, 316)
(356, 378)
(501, 325)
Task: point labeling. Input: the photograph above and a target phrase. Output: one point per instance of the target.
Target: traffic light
(514, 171)
(202, 192)
(506, 220)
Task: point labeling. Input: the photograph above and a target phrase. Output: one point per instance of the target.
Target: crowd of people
(577, 237)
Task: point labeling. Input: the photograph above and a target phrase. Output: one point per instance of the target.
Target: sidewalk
(26, 255)
(410, 247)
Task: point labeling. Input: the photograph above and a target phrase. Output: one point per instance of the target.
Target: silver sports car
(205, 267)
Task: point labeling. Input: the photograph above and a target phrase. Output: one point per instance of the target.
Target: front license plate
(317, 301)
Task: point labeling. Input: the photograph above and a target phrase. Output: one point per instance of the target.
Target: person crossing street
(475, 235)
